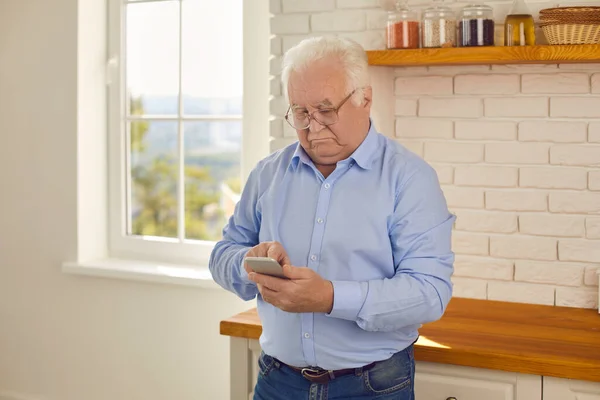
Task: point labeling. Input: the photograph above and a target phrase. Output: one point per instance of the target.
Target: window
(175, 125)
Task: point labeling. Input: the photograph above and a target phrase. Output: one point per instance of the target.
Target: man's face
(322, 86)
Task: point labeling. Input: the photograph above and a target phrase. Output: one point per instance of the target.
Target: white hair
(351, 55)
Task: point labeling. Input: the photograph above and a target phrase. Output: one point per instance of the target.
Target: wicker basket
(584, 33)
(571, 25)
(572, 11)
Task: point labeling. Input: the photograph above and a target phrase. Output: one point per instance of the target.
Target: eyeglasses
(300, 119)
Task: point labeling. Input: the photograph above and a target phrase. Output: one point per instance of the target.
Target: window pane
(152, 56)
(212, 56)
(212, 176)
(153, 178)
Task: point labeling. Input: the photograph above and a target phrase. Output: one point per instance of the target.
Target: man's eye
(327, 113)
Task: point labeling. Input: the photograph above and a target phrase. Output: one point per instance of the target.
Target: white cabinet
(444, 381)
(243, 359)
(568, 389)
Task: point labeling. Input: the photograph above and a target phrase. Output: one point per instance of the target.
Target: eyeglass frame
(310, 117)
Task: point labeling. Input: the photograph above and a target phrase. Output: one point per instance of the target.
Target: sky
(212, 48)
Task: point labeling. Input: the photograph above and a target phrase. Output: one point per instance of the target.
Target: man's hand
(273, 250)
(303, 291)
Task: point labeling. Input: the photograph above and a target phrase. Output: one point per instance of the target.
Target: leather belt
(323, 376)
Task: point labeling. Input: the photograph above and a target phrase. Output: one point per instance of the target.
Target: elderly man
(361, 228)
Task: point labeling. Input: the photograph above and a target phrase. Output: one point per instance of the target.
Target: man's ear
(368, 96)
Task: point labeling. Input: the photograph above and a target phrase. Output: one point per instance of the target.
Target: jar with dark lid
(402, 31)
(438, 26)
(476, 26)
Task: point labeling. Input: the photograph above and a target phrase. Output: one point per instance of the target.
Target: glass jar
(402, 29)
(476, 26)
(519, 26)
(438, 26)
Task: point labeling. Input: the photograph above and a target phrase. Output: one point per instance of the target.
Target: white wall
(517, 149)
(65, 337)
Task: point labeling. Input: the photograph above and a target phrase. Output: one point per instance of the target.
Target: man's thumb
(292, 272)
(274, 254)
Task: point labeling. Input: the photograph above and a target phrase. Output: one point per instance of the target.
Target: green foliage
(155, 191)
(235, 184)
(139, 128)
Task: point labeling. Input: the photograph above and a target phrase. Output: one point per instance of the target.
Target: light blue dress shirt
(378, 227)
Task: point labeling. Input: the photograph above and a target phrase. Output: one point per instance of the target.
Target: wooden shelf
(546, 54)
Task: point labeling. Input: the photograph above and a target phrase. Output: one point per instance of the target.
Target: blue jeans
(390, 379)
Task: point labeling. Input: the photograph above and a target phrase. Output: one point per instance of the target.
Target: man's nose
(315, 126)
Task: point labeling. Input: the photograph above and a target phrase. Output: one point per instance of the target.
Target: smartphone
(265, 265)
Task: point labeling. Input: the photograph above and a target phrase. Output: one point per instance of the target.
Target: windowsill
(144, 271)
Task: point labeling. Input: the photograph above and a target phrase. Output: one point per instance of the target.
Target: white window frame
(255, 136)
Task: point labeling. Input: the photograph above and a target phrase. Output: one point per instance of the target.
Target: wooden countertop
(542, 340)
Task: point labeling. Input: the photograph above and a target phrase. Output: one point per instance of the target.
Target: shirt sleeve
(226, 262)
(420, 233)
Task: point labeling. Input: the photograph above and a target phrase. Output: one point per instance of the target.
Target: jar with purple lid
(476, 26)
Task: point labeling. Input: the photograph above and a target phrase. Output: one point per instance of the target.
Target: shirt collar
(300, 155)
(363, 155)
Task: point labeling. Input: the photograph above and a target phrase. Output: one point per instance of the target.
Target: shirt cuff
(348, 299)
(242, 271)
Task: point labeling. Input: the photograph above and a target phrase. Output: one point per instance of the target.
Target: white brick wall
(339, 21)
(574, 154)
(583, 297)
(549, 272)
(552, 178)
(422, 127)
(594, 178)
(406, 107)
(285, 24)
(450, 107)
(596, 83)
(516, 153)
(470, 243)
(292, 6)
(592, 228)
(485, 130)
(553, 131)
(486, 221)
(469, 288)
(555, 83)
(552, 225)
(486, 84)
(575, 202)
(424, 85)
(486, 175)
(454, 152)
(516, 149)
(521, 292)
(486, 268)
(594, 132)
(523, 247)
(575, 107)
(508, 106)
(466, 197)
(579, 250)
(517, 200)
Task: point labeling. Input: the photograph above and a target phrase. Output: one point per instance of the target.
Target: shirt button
(327, 185)
(313, 257)
(320, 220)
(306, 335)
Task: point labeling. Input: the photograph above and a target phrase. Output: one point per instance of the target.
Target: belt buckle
(320, 375)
